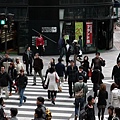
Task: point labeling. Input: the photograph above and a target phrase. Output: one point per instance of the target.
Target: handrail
(44, 36)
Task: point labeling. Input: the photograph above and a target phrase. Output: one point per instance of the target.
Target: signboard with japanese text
(89, 31)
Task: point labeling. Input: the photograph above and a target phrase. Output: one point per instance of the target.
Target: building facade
(90, 19)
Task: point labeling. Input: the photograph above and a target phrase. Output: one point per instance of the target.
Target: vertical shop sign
(89, 26)
(78, 30)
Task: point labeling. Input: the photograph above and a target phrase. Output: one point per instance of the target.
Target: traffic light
(2, 19)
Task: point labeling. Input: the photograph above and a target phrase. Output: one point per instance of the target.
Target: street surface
(64, 107)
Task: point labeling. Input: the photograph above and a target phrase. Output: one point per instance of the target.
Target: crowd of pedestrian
(12, 75)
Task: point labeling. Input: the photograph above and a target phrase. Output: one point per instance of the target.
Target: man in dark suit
(28, 57)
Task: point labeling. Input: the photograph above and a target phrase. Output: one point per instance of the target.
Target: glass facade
(72, 18)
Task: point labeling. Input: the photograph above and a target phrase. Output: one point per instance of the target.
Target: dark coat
(38, 64)
(71, 73)
(97, 76)
(12, 72)
(83, 74)
(85, 65)
(116, 72)
(60, 69)
(27, 59)
(103, 95)
(2, 113)
(4, 78)
(22, 81)
(5, 60)
(90, 113)
(68, 52)
(96, 62)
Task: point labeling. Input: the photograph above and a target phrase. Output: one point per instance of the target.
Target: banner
(78, 30)
(89, 26)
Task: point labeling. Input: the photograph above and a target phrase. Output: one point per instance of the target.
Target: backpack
(47, 115)
(79, 94)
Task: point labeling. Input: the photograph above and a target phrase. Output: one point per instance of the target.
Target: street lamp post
(6, 29)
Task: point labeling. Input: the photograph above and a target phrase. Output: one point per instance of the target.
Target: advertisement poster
(89, 26)
(78, 30)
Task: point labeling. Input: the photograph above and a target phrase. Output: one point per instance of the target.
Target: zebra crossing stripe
(62, 110)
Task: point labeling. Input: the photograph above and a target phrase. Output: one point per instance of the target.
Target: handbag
(59, 88)
(90, 73)
(57, 81)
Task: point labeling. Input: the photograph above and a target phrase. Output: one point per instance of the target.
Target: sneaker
(20, 105)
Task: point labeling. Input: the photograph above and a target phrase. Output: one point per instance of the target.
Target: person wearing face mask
(116, 73)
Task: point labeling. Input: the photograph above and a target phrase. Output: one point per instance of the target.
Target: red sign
(88, 32)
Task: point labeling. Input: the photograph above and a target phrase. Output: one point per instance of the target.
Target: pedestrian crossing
(62, 110)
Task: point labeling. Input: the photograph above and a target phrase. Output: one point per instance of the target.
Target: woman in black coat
(96, 79)
(85, 64)
(102, 96)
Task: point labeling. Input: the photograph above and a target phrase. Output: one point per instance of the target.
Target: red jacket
(39, 41)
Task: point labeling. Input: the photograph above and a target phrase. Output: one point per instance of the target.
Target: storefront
(90, 19)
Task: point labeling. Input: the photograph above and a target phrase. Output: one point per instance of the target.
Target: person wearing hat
(28, 57)
(18, 65)
(90, 108)
(71, 72)
(79, 87)
(22, 81)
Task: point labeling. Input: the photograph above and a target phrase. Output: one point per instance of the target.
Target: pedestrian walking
(22, 81)
(89, 108)
(115, 95)
(18, 65)
(61, 46)
(80, 42)
(82, 73)
(80, 90)
(60, 69)
(68, 52)
(85, 64)
(116, 73)
(4, 79)
(71, 72)
(52, 63)
(97, 62)
(28, 57)
(110, 112)
(2, 113)
(51, 80)
(38, 66)
(40, 111)
(102, 97)
(6, 61)
(96, 79)
(76, 47)
(13, 75)
(40, 44)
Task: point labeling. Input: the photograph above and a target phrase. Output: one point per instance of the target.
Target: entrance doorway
(102, 31)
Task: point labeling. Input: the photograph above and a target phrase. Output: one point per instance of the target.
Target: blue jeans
(79, 102)
(22, 97)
